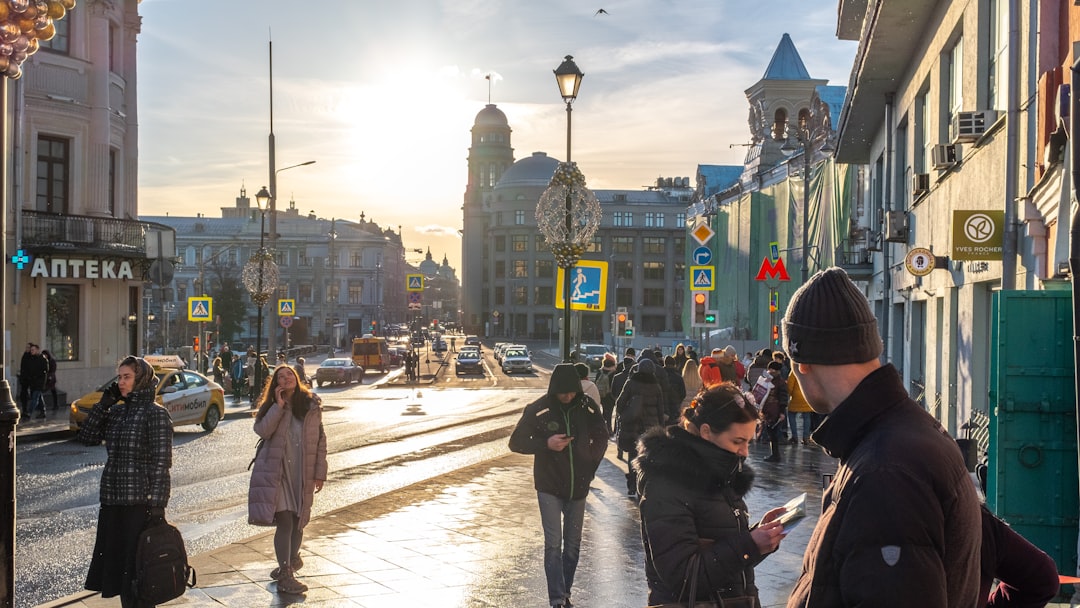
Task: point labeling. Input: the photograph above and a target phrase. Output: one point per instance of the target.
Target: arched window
(804, 120)
(780, 125)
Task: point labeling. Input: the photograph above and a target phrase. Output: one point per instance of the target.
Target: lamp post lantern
(568, 213)
(260, 277)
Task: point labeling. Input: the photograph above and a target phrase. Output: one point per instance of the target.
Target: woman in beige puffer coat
(290, 467)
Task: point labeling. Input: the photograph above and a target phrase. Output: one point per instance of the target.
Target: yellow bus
(371, 352)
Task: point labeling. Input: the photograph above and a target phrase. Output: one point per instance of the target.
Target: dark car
(469, 361)
(473, 341)
(339, 370)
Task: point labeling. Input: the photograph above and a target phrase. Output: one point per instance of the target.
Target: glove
(155, 515)
(111, 395)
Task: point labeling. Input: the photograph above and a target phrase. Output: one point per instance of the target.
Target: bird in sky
(600, 12)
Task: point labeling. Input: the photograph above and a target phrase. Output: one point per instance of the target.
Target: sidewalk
(473, 538)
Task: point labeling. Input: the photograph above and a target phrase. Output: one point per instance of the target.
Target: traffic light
(699, 307)
(774, 301)
(710, 317)
(195, 344)
(776, 335)
(373, 326)
(435, 324)
(620, 323)
(628, 329)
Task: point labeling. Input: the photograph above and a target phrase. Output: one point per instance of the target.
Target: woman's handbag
(689, 590)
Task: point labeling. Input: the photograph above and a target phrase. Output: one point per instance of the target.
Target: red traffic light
(195, 343)
(699, 298)
(622, 317)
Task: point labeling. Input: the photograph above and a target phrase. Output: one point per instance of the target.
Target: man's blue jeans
(562, 521)
(807, 426)
(36, 399)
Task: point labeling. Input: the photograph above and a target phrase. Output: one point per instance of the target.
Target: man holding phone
(567, 436)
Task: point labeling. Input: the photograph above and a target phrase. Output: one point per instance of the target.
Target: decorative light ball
(68, 4)
(56, 10)
(568, 186)
(47, 32)
(20, 44)
(260, 276)
(5, 11)
(19, 6)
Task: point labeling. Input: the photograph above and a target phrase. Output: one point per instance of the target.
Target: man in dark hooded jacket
(566, 433)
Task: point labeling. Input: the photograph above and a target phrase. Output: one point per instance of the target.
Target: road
(380, 438)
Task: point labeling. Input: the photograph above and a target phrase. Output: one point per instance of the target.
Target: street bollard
(9, 419)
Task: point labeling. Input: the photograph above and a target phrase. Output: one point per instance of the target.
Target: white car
(516, 359)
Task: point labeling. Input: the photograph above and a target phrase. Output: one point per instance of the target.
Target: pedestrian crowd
(902, 523)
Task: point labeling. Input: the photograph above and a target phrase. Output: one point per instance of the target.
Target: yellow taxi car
(190, 397)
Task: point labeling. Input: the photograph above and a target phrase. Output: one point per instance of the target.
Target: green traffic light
(710, 318)
(629, 332)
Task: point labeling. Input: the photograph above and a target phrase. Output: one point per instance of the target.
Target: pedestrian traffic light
(776, 335)
(195, 344)
(699, 307)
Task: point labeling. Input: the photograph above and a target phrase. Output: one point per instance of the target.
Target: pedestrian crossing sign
(702, 278)
(588, 286)
(414, 282)
(200, 309)
(286, 308)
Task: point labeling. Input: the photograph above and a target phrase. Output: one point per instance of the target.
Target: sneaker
(806, 442)
(794, 441)
(297, 563)
(772, 458)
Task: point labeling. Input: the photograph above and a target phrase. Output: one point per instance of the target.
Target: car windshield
(515, 353)
(594, 350)
(334, 363)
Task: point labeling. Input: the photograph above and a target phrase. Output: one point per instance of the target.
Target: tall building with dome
(509, 273)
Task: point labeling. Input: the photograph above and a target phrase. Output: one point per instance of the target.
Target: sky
(383, 94)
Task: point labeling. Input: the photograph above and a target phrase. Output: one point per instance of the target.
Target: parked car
(190, 397)
(339, 371)
(592, 354)
(469, 361)
(516, 358)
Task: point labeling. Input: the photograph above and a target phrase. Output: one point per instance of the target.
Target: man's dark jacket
(566, 474)
(900, 523)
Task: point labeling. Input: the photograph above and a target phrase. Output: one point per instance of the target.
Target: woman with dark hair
(135, 483)
(692, 479)
(290, 467)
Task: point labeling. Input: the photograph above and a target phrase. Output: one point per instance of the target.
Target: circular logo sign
(286, 321)
(979, 228)
(919, 261)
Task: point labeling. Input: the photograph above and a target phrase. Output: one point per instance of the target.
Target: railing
(86, 234)
(856, 259)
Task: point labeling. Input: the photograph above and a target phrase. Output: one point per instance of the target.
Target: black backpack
(162, 572)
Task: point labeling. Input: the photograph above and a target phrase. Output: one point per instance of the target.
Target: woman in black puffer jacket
(692, 480)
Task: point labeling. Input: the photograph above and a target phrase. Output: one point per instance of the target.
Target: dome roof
(535, 170)
(491, 116)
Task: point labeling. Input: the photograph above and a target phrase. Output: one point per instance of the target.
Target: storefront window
(62, 322)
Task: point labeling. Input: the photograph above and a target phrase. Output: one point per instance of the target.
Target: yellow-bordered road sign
(588, 286)
(414, 282)
(286, 308)
(200, 309)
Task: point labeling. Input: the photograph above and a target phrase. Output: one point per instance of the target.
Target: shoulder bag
(689, 590)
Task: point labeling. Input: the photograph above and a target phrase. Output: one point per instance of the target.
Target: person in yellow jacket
(798, 410)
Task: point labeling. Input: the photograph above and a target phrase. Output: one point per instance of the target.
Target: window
(500, 269)
(623, 218)
(281, 257)
(500, 244)
(623, 270)
(544, 295)
(305, 295)
(954, 90)
(62, 307)
(332, 291)
(680, 219)
(653, 323)
(545, 269)
(596, 245)
(653, 244)
(541, 243)
(923, 143)
(624, 296)
(500, 295)
(653, 270)
(519, 295)
(680, 269)
(660, 220)
(282, 293)
(679, 245)
(997, 40)
(622, 244)
(779, 129)
(302, 259)
(356, 259)
(619, 198)
(519, 218)
(112, 184)
(651, 219)
(520, 242)
(356, 293)
(521, 269)
(653, 296)
(52, 174)
(61, 41)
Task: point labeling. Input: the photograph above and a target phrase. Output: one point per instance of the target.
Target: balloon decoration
(23, 25)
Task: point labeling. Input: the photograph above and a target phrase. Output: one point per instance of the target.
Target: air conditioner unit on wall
(970, 126)
(896, 228)
(920, 184)
(944, 156)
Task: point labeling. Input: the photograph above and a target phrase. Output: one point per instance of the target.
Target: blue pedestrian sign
(703, 278)
(702, 255)
(200, 309)
(414, 282)
(588, 286)
(286, 308)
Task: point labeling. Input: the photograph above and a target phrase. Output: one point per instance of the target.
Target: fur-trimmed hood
(692, 462)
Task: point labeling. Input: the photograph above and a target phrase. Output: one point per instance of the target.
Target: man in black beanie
(900, 523)
(567, 435)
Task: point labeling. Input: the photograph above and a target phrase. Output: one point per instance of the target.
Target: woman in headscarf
(135, 482)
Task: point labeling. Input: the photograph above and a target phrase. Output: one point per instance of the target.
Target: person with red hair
(709, 372)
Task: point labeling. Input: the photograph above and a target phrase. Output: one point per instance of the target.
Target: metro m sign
(769, 270)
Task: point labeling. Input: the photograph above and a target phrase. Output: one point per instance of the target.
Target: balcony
(856, 259)
(53, 233)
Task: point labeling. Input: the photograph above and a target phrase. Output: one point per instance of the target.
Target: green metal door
(1032, 458)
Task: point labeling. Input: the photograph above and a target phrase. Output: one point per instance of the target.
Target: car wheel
(319, 382)
(213, 417)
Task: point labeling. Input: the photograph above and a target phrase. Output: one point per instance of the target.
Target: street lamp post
(271, 200)
(260, 277)
(568, 213)
(802, 136)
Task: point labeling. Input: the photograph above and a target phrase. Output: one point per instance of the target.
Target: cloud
(437, 230)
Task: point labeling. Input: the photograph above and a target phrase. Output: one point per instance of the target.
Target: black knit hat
(829, 322)
(564, 379)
